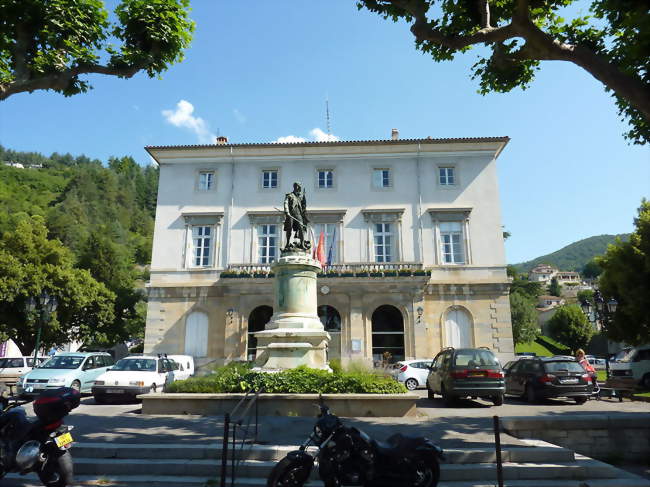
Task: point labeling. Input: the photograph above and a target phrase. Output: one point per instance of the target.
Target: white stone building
(412, 230)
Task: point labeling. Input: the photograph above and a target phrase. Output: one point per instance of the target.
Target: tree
(592, 270)
(554, 289)
(570, 326)
(31, 263)
(611, 44)
(626, 277)
(524, 319)
(50, 45)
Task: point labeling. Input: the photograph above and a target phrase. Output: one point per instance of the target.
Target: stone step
(277, 452)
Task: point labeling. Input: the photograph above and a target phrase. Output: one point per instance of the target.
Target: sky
(261, 71)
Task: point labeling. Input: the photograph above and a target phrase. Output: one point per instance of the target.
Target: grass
(601, 375)
(533, 347)
(643, 394)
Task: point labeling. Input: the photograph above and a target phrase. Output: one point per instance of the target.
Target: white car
(132, 376)
(183, 366)
(413, 373)
(12, 368)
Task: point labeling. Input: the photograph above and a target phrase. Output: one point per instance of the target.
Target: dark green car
(466, 372)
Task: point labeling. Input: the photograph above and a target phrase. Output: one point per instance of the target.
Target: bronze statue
(295, 220)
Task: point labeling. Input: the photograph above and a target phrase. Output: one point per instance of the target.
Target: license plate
(569, 381)
(63, 440)
(115, 391)
(476, 374)
(38, 386)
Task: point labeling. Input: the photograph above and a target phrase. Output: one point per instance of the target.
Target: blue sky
(259, 70)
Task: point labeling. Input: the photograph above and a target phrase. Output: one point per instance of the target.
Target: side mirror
(433, 368)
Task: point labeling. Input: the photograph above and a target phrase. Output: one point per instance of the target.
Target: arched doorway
(387, 334)
(458, 328)
(196, 334)
(331, 320)
(257, 320)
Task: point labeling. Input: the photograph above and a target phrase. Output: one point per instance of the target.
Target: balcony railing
(355, 268)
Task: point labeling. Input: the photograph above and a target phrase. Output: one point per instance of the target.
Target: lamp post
(46, 305)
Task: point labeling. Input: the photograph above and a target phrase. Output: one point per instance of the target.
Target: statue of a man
(295, 220)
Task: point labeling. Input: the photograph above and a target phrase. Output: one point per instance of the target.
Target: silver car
(413, 373)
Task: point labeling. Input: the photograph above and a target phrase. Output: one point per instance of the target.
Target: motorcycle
(38, 445)
(347, 456)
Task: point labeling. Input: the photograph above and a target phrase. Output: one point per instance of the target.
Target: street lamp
(602, 312)
(46, 304)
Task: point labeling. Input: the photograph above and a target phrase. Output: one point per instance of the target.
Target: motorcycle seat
(396, 444)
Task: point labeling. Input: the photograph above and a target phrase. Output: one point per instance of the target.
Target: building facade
(412, 235)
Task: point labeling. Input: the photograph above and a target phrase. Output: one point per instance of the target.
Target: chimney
(221, 140)
(394, 134)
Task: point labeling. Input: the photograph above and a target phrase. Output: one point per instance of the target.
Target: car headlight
(138, 383)
(56, 381)
(99, 382)
(627, 372)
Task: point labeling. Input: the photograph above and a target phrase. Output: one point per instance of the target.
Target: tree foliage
(592, 269)
(570, 327)
(523, 297)
(554, 288)
(626, 277)
(52, 44)
(611, 43)
(31, 263)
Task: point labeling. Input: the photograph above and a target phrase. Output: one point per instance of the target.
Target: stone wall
(608, 437)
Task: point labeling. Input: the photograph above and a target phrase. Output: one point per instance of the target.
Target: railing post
(497, 445)
(224, 449)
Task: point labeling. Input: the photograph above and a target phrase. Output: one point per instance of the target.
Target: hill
(574, 256)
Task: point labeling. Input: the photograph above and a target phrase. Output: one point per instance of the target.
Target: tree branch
(484, 8)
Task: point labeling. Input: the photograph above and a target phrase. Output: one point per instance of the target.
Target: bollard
(224, 449)
(497, 445)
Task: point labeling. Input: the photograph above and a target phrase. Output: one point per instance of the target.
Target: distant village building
(412, 238)
(544, 273)
(546, 308)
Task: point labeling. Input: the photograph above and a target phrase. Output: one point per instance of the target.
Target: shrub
(237, 378)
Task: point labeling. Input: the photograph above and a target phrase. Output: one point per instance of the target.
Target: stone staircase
(180, 465)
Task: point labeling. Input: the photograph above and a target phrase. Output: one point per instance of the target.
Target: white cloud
(241, 118)
(182, 117)
(316, 135)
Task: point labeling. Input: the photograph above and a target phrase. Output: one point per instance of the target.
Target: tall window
(387, 334)
(270, 178)
(446, 176)
(381, 178)
(201, 246)
(267, 242)
(451, 240)
(206, 180)
(325, 178)
(331, 237)
(383, 242)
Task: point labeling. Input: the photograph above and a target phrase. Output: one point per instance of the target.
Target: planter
(363, 274)
(405, 273)
(390, 273)
(262, 275)
(347, 274)
(345, 405)
(376, 274)
(421, 273)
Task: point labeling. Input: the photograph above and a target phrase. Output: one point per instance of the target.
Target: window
(330, 240)
(383, 242)
(206, 180)
(325, 178)
(270, 178)
(451, 240)
(267, 241)
(201, 240)
(446, 176)
(381, 178)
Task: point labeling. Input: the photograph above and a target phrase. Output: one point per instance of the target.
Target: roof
(427, 140)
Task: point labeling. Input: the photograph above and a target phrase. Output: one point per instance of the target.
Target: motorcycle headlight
(27, 455)
(56, 381)
(318, 432)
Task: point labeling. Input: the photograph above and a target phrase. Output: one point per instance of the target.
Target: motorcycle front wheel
(427, 474)
(288, 473)
(57, 471)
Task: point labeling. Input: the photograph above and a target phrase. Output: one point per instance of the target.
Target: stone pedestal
(295, 335)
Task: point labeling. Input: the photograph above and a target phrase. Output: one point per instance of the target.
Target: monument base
(287, 348)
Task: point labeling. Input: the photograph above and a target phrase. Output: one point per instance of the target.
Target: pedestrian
(582, 360)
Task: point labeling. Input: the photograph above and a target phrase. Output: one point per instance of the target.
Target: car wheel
(446, 397)
(411, 384)
(531, 395)
(580, 400)
(76, 385)
(645, 382)
(498, 400)
(430, 394)
(152, 388)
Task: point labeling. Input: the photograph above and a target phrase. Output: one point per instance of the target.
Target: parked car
(185, 367)
(412, 373)
(466, 372)
(596, 363)
(70, 369)
(134, 375)
(12, 368)
(632, 368)
(546, 377)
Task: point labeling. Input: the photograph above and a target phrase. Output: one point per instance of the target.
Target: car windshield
(63, 362)
(475, 358)
(624, 356)
(11, 363)
(563, 365)
(136, 365)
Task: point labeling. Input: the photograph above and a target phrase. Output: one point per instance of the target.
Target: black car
(466, 372)
(543, 377)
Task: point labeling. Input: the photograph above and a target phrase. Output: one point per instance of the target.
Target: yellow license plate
(63, 440)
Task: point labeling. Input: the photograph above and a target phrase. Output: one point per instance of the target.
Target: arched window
(257, 320)
(387, 334)
(196, 334)
(331, 320)
(458, 328)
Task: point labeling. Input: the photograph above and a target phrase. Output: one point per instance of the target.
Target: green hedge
(235, 378)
